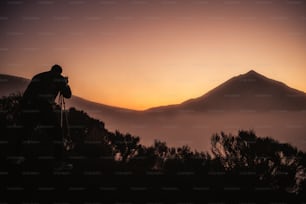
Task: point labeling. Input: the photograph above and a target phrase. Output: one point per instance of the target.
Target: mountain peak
(253, 75)
(252, 72)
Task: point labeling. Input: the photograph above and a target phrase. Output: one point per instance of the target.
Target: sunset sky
(141, 54)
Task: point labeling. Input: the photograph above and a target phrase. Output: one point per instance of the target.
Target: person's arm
(65, 88)
(66, 91)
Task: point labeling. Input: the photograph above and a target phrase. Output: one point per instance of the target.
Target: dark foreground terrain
(111, 167)
(90, 185)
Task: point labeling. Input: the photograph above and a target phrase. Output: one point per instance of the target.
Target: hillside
(13, 84)
(107, 164)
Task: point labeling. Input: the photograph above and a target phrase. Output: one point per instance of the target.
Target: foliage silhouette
(279, 165)
(243, 160)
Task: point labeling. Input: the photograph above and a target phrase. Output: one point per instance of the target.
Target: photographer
(37, 108)
(45, 86)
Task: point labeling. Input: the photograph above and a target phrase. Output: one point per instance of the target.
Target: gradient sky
(140, 54)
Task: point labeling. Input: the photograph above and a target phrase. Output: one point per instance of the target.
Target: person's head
(56, 69)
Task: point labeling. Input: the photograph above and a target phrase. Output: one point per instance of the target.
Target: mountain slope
(251, 91)
(13, 84)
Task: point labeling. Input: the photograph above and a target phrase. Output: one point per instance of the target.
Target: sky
(140, 54)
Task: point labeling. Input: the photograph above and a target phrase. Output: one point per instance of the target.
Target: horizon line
(163, 105)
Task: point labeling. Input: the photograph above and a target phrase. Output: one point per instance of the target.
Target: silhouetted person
(37, 107)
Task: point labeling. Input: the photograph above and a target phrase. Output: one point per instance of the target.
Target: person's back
(45, 86)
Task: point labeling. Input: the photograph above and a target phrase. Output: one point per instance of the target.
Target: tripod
(68, 145)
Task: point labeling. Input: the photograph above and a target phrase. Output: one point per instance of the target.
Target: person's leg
(53, 130)
(28, 121)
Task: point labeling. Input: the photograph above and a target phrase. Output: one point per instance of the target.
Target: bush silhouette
(278, 165)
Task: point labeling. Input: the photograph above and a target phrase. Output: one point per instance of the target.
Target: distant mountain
(247, 92)
(12, 84)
